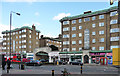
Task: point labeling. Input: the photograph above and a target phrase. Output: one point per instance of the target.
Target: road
(73, 69)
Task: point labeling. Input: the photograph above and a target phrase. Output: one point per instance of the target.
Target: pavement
(73, 69)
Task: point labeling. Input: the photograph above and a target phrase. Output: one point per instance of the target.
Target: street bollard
(19, 66)
(22, 66)
(81, 67)
(57, 63)
(52, 72)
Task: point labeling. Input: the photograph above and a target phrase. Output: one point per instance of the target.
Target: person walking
(3, 63)
(8, 65)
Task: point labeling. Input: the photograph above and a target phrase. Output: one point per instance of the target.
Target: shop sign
(108, 54)
(97, 54)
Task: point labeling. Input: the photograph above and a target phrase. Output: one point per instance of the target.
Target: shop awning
(41, 54)
(100, 51)
(72, 52)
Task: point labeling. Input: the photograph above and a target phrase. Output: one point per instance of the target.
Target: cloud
(60, 16)
(36, 13)
(49, 35)
(4, 28)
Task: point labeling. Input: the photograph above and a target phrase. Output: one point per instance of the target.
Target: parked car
(60, 62)
(43, 61)
(75, 62)
(33, 63)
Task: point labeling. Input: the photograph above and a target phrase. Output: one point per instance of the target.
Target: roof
(16, 29)
(90, 14)
(100, 51)
(72, 52)
(52, 39)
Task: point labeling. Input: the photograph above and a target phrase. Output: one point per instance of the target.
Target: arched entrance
(86, 59)
(42, 55)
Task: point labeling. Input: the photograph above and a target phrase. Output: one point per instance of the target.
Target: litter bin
(22, 67)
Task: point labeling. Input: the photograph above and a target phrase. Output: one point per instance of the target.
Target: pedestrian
(8, 65)
(3, 63)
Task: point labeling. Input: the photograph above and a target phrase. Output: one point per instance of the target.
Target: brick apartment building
(91, 31)
(24, 39)
(47, 41)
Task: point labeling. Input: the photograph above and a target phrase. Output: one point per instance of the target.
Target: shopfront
(95, 57)
(109, 56)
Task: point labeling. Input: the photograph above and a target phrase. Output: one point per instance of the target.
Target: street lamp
(10, 28)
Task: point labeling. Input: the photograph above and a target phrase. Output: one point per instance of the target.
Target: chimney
(87, 12)
(33, 27)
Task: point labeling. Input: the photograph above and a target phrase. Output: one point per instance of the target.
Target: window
(16, 37)
(24, 30)
(8, 38)
(101, 16)
(80, 20)
(114, 46)
(36, 42)
(13, 33)
(8, 47)
(113, 21)
(73, 28)
(4, 38)
(80, 49)
(36, 37)
(73, 42)
(65, 49)
(80, 34)
(30, 31)
(93, 25)
(93, 33)
(8, 43)
(65, 42)
(73, 35)
(93, 40)
(19, 46)
(93, 18)
(16, 32)
(114, 38)
(65, 22)
(30, 46)
(101, 48)
(80, 27)
(30, 36)
(66, 36)
(101, 24)
(19, 42)
(23, 46)
(113, 13)
(4, 43)
(19, 32)
(101, 40)
(73, 21)
(16, 47)
(66, 29)
(36, 33)
(73, 49)
(19, 36)
(101, 32)
(114, 30)
(93, 48)
(23, 41)
(23, 35)
(16, 42)
(86, 19)
(80, 41)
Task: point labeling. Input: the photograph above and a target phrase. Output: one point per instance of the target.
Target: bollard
(22, 66)
(19, 66)
(57, 63)
(81, 67)
(52, 72)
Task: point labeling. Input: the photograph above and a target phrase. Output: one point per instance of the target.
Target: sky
(45, 15)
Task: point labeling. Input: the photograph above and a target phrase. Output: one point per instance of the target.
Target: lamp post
(10, 28)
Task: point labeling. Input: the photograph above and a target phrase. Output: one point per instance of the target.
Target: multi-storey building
(24, 39)
(97, 30)
(47, 41)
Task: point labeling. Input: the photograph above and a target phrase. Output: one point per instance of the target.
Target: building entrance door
(86, 59)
